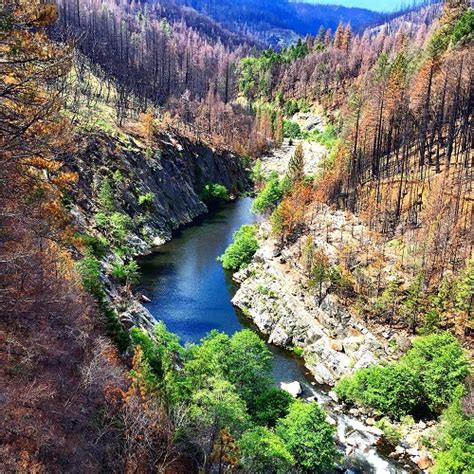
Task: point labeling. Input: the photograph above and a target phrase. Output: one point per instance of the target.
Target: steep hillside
(280, 22)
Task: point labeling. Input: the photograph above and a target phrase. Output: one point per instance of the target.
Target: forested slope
(116, 136)
(279, 22)
(400, 103)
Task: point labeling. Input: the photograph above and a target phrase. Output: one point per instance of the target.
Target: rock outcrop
(276, 297)
(170, 174)
(174, 169)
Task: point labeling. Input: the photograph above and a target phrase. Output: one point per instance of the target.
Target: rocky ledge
(276, 294)
(333, 340)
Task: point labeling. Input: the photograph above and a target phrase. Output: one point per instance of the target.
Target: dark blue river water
(191, 293)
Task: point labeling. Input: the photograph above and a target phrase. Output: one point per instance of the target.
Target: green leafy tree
(308, 437)
(213, 408)
(248, 365)
(272, 405)
(440, 364)
(269, 196)
(243, 248)
(392, 389)
(262, 452)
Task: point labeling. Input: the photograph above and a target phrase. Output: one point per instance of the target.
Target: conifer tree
(296, 165)
(339, 36)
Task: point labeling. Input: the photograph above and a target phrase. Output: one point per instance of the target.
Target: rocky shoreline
(331, 338)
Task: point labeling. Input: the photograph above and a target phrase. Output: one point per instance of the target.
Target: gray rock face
(175, 171)
(335, 342)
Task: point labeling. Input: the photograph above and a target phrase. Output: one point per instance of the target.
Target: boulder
(333, 396)
(424, 462)
(413, 452)
(370, 421)
(293, 388)
(331, 421)
(399, 450)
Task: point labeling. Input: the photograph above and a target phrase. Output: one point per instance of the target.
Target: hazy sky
(378, 5)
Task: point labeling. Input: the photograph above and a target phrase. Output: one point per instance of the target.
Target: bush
(439, 363)
(239, 254)
(89, 271)
(257, 174)
(105, 196)
(213, 194)
(269, 196)
(291, 129)
(119, 224)
(308, 437)
(272, 405)
(393, 389)
(391, 433)
(455, 439)
(126, 272)
(97, 245)
(146, 200)
(427, 376)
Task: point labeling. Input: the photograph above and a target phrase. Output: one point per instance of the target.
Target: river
(191, 294)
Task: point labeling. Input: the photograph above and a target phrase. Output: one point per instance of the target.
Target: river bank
(192, 294)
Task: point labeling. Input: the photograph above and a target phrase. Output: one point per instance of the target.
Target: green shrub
(391, 433)
(257, 174)
(427, 376)
(291, 129)
(439, 362)
(97, 245)
(105, 196)
(89, 271)
(101, 219)
(126, 272)
(239, 254)
(299, 351)
(146, 200)
(393, 389)
(269, 196)
(119, 225)
(328, 137)
(213, 194)
(455, 439)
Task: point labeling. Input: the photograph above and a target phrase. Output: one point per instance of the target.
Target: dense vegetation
(277, 21)
(428, 379)
(214, 194)
(425, 379)
(239, 254)
(397, 100)
(217, 389)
